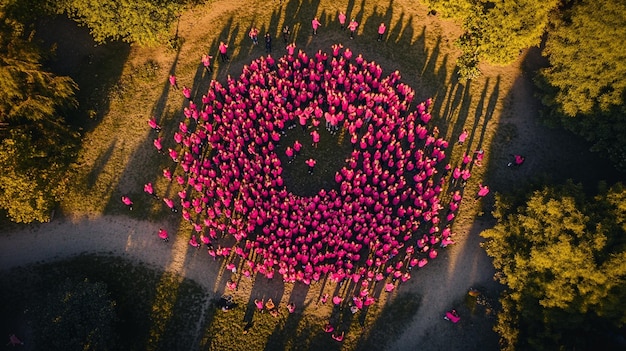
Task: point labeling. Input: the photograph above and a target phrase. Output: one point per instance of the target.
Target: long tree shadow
(391, 322)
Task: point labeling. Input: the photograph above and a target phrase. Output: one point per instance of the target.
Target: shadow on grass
(391, 322)
(135, 293)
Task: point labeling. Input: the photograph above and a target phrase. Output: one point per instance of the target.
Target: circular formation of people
(393, 202)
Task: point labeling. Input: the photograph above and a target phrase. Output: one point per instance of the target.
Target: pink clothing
(463, 137)
(483, 191)
(452, 316)
(163, 234)
(223, 48)
(126, 200)
(382, 28)
(315, 23)
(342, 18)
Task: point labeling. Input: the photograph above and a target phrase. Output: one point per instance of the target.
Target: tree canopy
(144, 22)
(496, 31)
(585, 85)
(36, 143)
(562, 258)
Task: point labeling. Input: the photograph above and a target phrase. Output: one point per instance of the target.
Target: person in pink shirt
(353, 27)
(452, 316)
(316, 137)
(463, 137)
(128, 202)
(381, 31)
(223, 49)
(483, 190)
(289, 153)
(254, 35)
(149, 189)
(158, 145)
(154, 125)
(187, 92)
(206, 62)
(163, 235)
(338, 337)
(297, 146)
(311, 163)
(315, 23)
(259, 304)
(173, 81)
(342, 19)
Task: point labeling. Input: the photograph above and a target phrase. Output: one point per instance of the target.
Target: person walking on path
(223, 48)
(463, 137)
(352, 27)
(206, 62)
(342, 20)
(173, 82)
(381, 31)
(268, 42)
(286, 34)
(315, 23)
(163, 235)
(254, 35)
(127, 201)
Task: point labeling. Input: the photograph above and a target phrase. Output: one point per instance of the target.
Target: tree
(144, 22)
(496, 31)
(36, 144)
(562, 258)
(583, 89)
(75, 316)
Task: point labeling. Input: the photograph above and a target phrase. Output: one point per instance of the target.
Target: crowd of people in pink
(394, 200)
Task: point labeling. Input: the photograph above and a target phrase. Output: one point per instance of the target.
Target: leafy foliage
(145, 22)
(75, 316)
(584, 87)
(562, 260)
(36, 144)
(495, 31)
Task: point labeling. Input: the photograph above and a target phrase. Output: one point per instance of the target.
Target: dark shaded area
(137, 309)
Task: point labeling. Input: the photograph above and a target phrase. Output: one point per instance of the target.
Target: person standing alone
(381, 31)
(224, 51)
(352, 27)
(315, 24)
